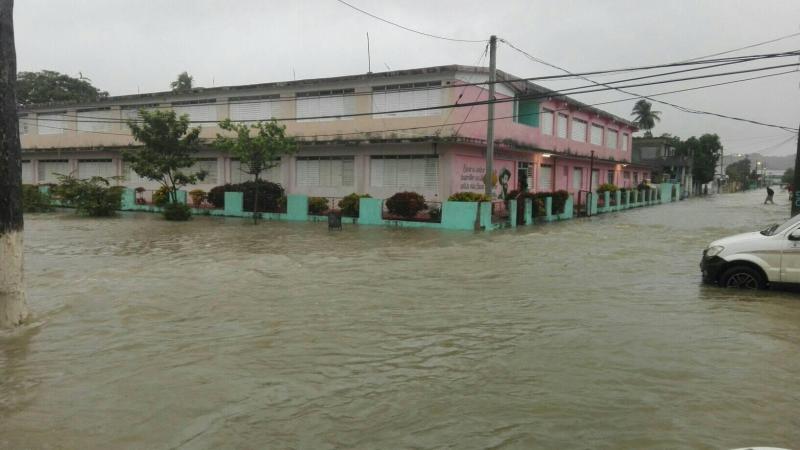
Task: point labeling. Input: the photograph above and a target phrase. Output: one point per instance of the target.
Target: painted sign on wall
(469, 171)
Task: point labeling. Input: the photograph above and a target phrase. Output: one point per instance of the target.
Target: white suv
(754, 260)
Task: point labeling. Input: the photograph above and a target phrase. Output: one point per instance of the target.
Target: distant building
(367, 133)
(660, 155)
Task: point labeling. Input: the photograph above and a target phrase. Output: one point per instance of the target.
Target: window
(610, 177)
(545, 178)
(239, 174)
(49, 167)
(636, 178)
(207, 164)
(577, 179)
(562, 125)
(88, 168)
(526, 112)
(202, 111)
(131, 112)
(611, 138)
(326, 171)
(51, 123)
(524, 178)
(27, 172)
(254, 109)
(547, 122)
(407, 96)
(595, 178)
(626, 177)
(624, 142)
(311, 106)
(133, 177)
(597, 134)
(578, 130)
(420, 171)
(96, 120)
(24, 125)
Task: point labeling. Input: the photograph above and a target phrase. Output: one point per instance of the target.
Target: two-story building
(661, 154)
(375, 133)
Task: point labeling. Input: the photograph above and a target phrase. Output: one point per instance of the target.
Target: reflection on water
(220, 334)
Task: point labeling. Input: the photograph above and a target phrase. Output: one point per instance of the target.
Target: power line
(781, 38)
(410, 29)
(570, 91)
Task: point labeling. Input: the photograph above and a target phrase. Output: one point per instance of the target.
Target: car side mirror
(795, 235)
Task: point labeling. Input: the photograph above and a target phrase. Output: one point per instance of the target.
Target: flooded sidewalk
(217, 333)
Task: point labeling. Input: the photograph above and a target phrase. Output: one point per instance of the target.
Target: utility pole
(795, 206)
(721, 171)
(490, 116)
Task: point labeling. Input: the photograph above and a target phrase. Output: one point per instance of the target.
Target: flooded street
(220, 334)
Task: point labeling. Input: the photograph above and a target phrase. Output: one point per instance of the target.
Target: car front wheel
(742, 277)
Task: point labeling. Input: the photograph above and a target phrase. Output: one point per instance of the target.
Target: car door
(790, 257)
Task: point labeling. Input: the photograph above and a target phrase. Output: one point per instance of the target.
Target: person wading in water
(770, 193)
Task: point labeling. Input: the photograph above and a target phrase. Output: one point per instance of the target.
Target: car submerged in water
(755, 260)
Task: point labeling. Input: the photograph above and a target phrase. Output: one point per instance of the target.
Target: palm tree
(12, 295)
(646, 118)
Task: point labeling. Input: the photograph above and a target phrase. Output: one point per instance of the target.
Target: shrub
(197, 195)
(349, 204)
(559, 200)
(34, 200)
(177, 211)
(537, 201)
(161, 196)
(405, 204)
(607, 187)
(269, 195)
(471, 197)
(435, 214)
(317, 205)
(94, 197)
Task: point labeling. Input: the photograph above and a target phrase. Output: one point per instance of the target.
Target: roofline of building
(515, 83)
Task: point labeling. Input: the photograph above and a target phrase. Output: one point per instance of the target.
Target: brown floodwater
(219, 334)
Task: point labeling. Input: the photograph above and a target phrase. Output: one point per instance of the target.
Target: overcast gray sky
(127, 46)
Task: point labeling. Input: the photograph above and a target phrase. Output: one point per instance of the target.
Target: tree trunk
(13, 309)
(255, 203)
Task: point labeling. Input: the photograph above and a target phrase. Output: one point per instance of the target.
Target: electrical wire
(410, 29)
(781, 38)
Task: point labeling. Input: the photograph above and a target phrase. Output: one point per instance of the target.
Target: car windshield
(772, 230)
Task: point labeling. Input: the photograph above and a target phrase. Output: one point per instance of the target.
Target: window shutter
(545, 178)
(376, 172)
(431, 173)
(577, 179)
(51, 123)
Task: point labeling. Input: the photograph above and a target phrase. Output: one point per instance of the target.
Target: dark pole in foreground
(487, 183)
(796, 183)
(12, 295)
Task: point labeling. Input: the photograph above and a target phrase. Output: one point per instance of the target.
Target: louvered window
(200, 112)
(51, 123)
(562, 125)
(209, 165)
(96, 120)
(132, 176)
(254, 109)
(624, 142)
(131, 112)
(326, 171)
(578, 130)
(88, 168)
(322, 106)
(547, 122)
(577, 179)
(611, 138)
(49, 167)
(419, 171)
(397, 97)
(545, 178)
(27, 172)
(239, 173)
(24, 125)
(597, 134)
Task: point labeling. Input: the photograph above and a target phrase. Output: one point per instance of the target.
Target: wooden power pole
(488, 176)
(796, 183)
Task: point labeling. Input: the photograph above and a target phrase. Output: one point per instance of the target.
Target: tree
(739, 171)
(257, 152)
(788, 176)
(169, 146)
(646, 118)
(705, 153)
(183, 83)
(49, 86)
(13, 308)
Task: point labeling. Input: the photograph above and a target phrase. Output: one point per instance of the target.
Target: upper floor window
(547, 122)
(526, 112)
(203, 112)
(50, 123)
(24, 125)
(578, 130)
(562, 125)
(597, 134)
(320, 106)
(625, 138)
(131, 112)
(100, 120)
(398, 97)
(254, 108)
(611, 138)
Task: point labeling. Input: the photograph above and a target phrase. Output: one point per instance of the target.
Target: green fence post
(568, 209)
(297, 207)
(181, 197)
(128, 201)
(548, 209)
(593, 203)
(486, 215)
(512, 206)
(528, 211)
(459, 215)
(234, 204)
(370, 211)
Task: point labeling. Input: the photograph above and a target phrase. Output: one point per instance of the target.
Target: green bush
(94, 196)
(317, 205)
(405, 204)
(33, 200)
(607, 187)
(177, 211)
(161, 196)
(269, 195)
(472, 197)
(435, 214)
(349, 204)
(559, 201)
